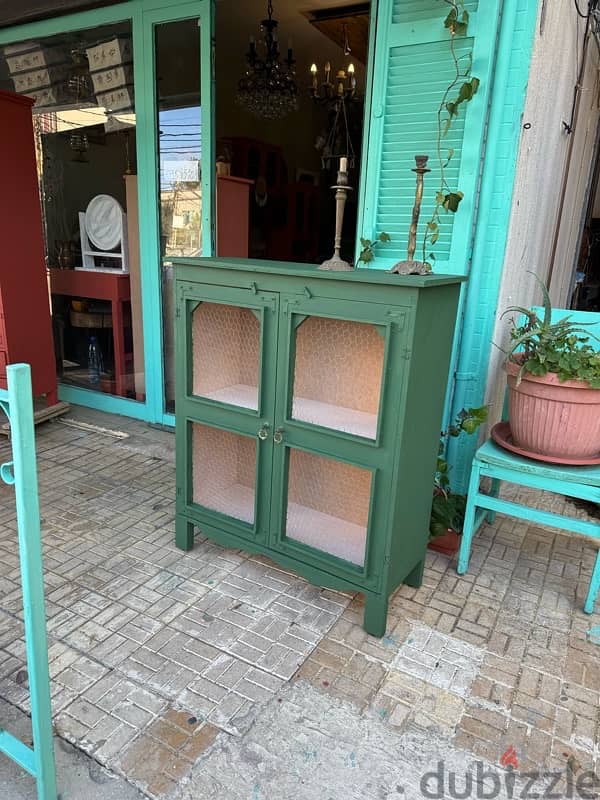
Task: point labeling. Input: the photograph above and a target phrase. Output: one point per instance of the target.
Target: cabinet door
(338, 364)
(227, 341)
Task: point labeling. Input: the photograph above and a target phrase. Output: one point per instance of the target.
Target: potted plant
(448, 507)
(553, 374)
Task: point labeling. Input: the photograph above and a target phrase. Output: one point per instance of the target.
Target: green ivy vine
(461, 89)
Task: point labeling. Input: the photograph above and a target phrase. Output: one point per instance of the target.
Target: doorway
(286, 112)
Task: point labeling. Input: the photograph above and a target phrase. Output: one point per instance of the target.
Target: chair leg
(469, 523)
(594, 587)
(495, 488)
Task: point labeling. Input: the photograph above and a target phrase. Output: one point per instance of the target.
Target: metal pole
(32, 579)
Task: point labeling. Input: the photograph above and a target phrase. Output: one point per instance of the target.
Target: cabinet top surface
(376, 276)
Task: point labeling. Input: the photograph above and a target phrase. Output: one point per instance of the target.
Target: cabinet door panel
(337, 374)
(334, 364)
(328, 505)
(226, 405)
(224, 467)
(323, 512)
(226, 347)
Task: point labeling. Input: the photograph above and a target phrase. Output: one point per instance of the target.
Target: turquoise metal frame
(144, 16)
(17, 403)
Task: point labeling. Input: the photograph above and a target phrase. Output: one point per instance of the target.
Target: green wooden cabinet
(308, 410)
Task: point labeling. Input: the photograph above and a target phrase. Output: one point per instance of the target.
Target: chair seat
(491, 453)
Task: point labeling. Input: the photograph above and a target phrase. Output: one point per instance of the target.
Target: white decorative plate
(103, 222)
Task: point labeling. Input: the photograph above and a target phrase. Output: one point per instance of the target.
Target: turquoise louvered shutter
(413, 66)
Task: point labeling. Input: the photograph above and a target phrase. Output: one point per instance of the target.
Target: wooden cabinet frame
(414, 318)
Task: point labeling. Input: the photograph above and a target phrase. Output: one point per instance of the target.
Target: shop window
(85, 127)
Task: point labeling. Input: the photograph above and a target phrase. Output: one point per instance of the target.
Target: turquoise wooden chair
(494, 462)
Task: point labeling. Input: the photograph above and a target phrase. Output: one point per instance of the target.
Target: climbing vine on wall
(462, 88)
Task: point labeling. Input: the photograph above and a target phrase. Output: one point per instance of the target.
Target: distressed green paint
(17, 402)
(415, 315)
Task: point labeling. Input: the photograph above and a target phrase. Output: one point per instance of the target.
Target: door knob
(278, 436)
(263, 433)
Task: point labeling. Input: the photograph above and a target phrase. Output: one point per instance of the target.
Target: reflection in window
(179, 128)
(85, 127)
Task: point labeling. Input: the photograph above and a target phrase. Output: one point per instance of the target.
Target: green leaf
(470, 425)
(452, 201)
(384, 237)
(450, 20)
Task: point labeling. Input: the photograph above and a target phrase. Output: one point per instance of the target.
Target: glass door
(228, 391)
(179, 138)
(329, 429)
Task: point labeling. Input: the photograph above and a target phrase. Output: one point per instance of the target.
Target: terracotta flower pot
(448, 543)
(554, 419)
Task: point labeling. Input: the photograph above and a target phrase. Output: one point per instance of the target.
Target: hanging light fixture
(268, 87)
(337, 96)
(344, 84)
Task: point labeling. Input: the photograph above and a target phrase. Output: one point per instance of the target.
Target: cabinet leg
(415, 578)
(375, 619)
(184, 533)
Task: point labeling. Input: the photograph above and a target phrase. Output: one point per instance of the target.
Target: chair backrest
(589, 319)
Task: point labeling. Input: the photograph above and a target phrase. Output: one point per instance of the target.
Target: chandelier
(342, 87)
(339, 96)
(268, 86)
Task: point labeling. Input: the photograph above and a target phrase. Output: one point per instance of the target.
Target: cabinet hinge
(406, 353)
(287, 304)
(178, 491)
(177, 311)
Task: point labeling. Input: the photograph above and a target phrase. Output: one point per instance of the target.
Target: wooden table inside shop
(97, 285)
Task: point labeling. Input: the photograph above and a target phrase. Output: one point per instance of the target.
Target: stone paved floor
(166, 665)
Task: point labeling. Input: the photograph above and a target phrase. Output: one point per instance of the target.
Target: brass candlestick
(336, 262)
(410, 266)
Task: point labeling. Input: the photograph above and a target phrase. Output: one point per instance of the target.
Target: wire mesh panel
(337, 375)
(224, 471)
(328, 505)
(226, 354)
